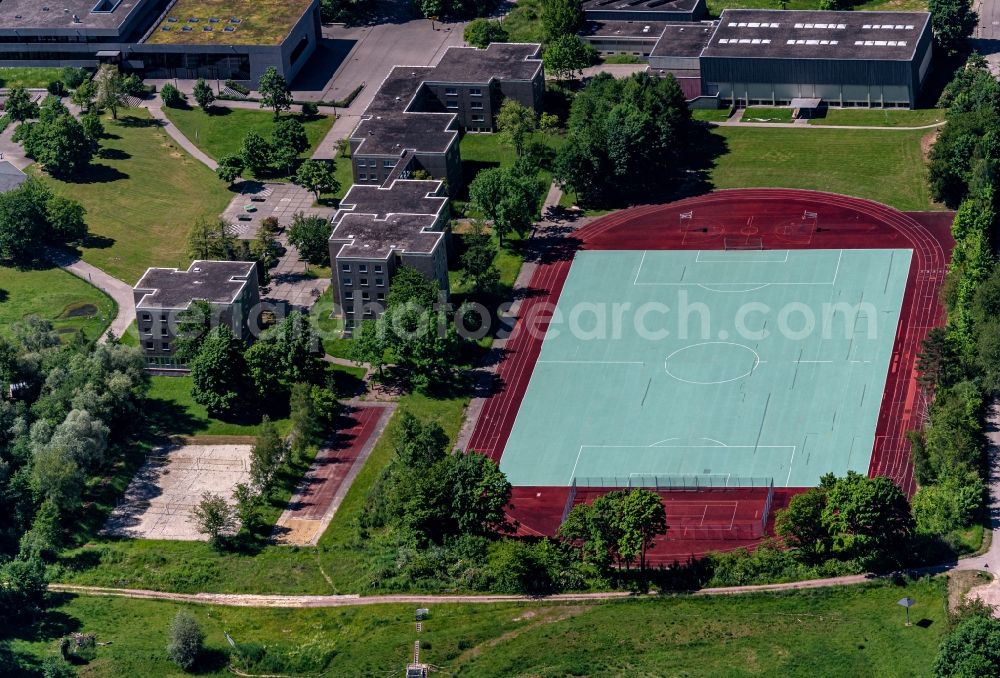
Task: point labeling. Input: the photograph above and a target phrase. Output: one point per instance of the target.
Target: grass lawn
(221, 133)
(883, 165)
(178, 414)
(482, 151)
(767, 114)
(29, 76)
(195, 566)
(69, 302)
(141, 195)
(329, 328)
(880, 117)
(848, 631)
(524, 22)
(710, 114)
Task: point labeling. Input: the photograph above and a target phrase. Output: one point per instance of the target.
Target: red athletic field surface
(774, 218)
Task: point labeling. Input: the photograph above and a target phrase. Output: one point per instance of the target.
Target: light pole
(907, 603)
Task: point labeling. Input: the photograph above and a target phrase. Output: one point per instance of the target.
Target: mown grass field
(848, 631)
(171, 404)
(220, 132)
(767, 114)
(31, 77)
(883, 165)
(341, 563)
(715, 7)
(880, 117)
(142, 194)
(69, 302)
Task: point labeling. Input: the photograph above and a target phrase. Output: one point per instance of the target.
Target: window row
(363, 282)
(473, 91)
(365, 296)
(362, 268)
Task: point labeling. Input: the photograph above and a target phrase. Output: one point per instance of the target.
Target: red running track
(775, 218)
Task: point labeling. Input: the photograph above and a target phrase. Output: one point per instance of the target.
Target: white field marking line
(725, 260)
(706, 285)
(641, 262)
(591, 362)
(837, 271)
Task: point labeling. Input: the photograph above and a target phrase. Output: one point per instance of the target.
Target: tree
(288, 140)
(481, 32)
(256, 153)
(93, 128)
(30, 214)
(74, 77)
(193, 325)
(369, 345)
(567, 55)
(867, 519)
(186, 639)
(938, 362)
(230, 168)
(801, 525)
(514, 123)
(203, 94)
(310, 423)
(274, 92)
(248, 504)
(109, 94)
(971, 650)
(83, 437)
(58, 141)
(507, 197)
(19, 105)
(214, 518)
(267, 455)
(56, 476)
(643, 518)
(171, 96)
(22, 588)
(478, 261)
(218, 372)
(213, 239)
(84, 95)
(310, 235)
(480, 493)
(317, 176)
(561, 18)
(952, 22)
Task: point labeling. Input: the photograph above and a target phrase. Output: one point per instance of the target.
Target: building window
(364, 296)
(347, 282)
(348, 294)
(362, 177)
(368, 311)
(380, 282)
(477, 104)
(451, 103)
(165, 346)
(163, 317)
(146, 317)
(451, 91)
(363, 281)
(362, 268)
(346, 268)
(378, 268)
(349, 308)
(388, 164)
(380, 296)
(478, 118)
(149, 346)
(475, 92)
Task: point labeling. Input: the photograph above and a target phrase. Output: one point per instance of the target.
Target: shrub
(56, 88)
(186, 639)
(310, 109)
(171, 96)
(74, 77)
(132, 85)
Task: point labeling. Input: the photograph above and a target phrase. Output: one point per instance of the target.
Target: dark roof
(398, 88)
(665, 6)
(369, 237)
(625, 29)
(683, 39)
(777, 34)
(218, 282)
(10, 177)
(389, 133)
(407, 196)
(499, 61)
(59, 14)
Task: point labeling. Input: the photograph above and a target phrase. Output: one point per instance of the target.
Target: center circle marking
(710, 350)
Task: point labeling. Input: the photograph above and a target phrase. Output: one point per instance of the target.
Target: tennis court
(664, 368)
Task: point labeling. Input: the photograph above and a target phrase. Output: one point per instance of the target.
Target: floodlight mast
(907, 603)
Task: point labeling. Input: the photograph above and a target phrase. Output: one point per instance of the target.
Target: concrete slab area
(157, 503)
(325, 485)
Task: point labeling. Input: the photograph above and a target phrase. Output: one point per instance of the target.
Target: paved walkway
(118, 290)
(182, 141)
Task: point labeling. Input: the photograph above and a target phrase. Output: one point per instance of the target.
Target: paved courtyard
(157, 503)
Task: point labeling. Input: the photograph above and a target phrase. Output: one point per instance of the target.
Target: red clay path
(774, 219)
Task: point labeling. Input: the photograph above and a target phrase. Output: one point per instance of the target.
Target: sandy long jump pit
(157, 503)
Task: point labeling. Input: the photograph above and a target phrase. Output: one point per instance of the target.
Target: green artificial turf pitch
(703, 367)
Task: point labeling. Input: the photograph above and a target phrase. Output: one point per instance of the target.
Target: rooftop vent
(229, 29)
(104, 6)
(172, 19)
(213, 20)
(76, 19)
(45, 9)
(207, 29)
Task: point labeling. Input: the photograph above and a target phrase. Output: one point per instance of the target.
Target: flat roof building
(644, 10)
(230, 288)
(844, 58)
(376, 230)
(237, 39)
